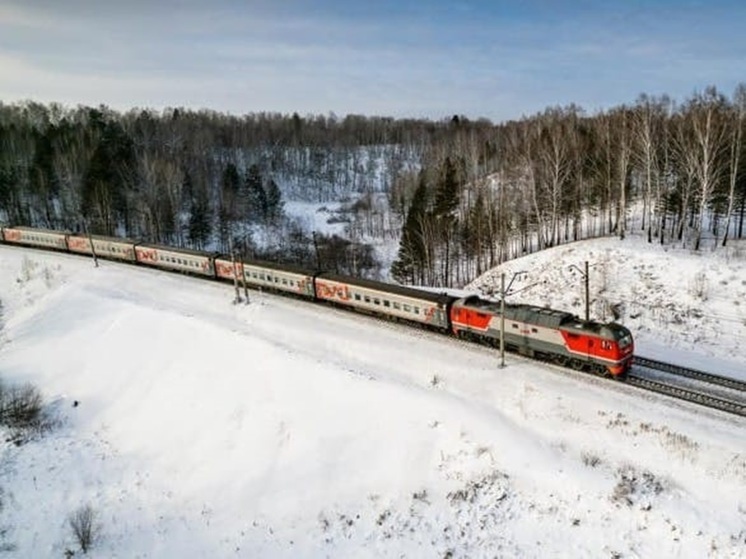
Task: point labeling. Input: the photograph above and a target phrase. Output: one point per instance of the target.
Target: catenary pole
(502, 320)
(587, 295)
(234, 274)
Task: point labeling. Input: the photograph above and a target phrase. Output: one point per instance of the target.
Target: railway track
(710, 390)
(715, 391)
(678, 370)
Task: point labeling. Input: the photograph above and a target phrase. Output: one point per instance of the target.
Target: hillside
(196, 428)
(681, 305)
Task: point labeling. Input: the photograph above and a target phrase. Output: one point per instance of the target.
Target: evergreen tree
(256, 198)
(228, 210)
(447, 191)
(108, 177)
(200, 227)
(410, 260)
(230, 182)
(275, 204)
(444, 214)
(43, 180)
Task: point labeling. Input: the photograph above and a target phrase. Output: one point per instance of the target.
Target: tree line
(676, 171)
(461, 195)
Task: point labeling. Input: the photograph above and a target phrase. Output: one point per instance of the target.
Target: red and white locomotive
(551, 335)
(548, 334)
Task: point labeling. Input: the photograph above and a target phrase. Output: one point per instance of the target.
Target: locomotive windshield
(625, 340)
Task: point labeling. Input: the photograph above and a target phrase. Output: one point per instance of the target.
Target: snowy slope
(681, 305)
(283, 429)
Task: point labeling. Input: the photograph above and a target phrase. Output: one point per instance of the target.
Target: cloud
(402, 58)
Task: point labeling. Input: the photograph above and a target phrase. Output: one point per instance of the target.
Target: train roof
(404, 291)
(36, 229)
(106, 238)
(72, 234)
(550, 318)
(524, 313)
(166, 248)
(292, 268)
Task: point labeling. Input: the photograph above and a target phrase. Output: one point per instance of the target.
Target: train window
(367, 299)
(573, 336)
(515, 326)
(357, 296)
(376, 301)
(534, 330)
(397, 306)
(407, 308)
(386, 303)
(417, 310)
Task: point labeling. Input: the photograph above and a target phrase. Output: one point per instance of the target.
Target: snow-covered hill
(283, 429)
(682, 305)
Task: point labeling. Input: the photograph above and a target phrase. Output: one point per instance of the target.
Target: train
(542, 333)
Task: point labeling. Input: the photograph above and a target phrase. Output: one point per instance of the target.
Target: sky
(491, 59)
(286, 429)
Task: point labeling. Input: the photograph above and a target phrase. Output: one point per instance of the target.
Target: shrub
(20, 406)
(85, 527)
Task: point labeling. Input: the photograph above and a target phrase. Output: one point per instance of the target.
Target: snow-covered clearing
(285, 429)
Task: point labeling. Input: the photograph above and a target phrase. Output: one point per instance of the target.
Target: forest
(459, 196)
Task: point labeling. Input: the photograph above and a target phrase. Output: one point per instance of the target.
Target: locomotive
(551, 335)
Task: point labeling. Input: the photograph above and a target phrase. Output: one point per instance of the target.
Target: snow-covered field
(283, 429)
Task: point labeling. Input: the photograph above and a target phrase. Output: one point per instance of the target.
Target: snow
(286, 429)
(683, 306)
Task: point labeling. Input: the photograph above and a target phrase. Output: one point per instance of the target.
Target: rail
(679, 393)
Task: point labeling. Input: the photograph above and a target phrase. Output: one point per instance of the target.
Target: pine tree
(200, 227)
(256, 198)
(230, 183)
(410, 261)
(43, 179)
(275, 204)
(447, 191)
(444, 213)
(108, 177)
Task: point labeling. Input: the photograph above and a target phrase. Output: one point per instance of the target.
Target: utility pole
(90, 240)
(502, 320)
(503, 292)
(245, 286)
(585, 274)
(587, 295)
(235, 276)
(243, 273)
(316, 250)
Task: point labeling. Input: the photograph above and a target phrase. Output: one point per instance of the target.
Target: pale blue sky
(405, 58)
